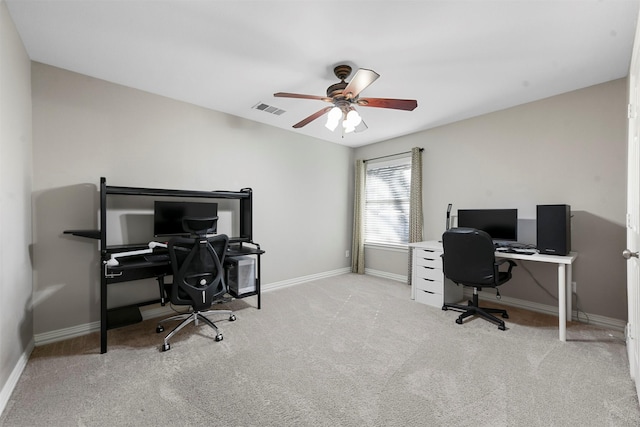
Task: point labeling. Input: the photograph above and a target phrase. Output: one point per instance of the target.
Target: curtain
(415, 204)
(357, 245)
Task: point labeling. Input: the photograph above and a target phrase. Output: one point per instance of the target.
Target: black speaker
(553, 223)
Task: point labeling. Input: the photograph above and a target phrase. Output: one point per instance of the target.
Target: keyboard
(521, 251)
(525, 251)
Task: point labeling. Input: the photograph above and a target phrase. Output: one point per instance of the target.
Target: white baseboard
(594, 319)
(87, 328)
(386, 275)
(304, 279)
(66, 333)
(7, 389)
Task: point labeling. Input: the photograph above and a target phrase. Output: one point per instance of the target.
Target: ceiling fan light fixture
(353, 118)
(333, 118)
(351, 121)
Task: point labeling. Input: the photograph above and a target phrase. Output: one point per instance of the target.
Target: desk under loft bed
(137, 268)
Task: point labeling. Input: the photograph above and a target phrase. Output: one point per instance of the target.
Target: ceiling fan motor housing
(336, 89)
(341, 72)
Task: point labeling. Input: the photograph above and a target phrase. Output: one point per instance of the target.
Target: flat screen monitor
(500, 224)
(167, 216)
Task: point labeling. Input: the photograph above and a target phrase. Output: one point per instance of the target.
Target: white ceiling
(458, 59)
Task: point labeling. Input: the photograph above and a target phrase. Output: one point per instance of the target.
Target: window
(387, 192)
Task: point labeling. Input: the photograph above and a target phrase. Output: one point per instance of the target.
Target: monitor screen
(167, 216)
(500, 224)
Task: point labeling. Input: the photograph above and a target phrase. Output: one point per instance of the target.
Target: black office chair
(198, 275)
(469, 260)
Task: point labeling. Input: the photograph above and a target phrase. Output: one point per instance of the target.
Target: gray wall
(86, 128)
(565, 149)
(16, 311)
(568, 149)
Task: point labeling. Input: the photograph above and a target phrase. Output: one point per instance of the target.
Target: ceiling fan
(344, 95)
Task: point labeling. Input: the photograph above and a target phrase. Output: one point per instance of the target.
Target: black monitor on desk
(500, 224)
(167, 216)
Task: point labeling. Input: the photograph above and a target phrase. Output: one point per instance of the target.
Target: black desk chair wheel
(469, 260)
(198, 276)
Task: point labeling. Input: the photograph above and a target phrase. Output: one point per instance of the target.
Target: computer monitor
(167, 216)
(500, 224)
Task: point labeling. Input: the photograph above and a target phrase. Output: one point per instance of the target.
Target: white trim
(594, 319)
(87, 328)
(66, 333)
(387, 247)
(304, 279)
(386, 275)
(12, 381)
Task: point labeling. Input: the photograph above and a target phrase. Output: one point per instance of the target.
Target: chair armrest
(501, 261)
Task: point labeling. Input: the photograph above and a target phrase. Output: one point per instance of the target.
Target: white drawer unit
(428, 284)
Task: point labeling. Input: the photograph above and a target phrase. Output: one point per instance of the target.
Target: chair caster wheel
(219, 337)
(459, 321)
(232, 318)
(505, 316)
(159, 329)
(502, 328)
(166, 347)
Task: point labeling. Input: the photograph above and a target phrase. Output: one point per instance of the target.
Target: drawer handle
(429, 268)
(427, 292)
(428, 259)
(428, 280)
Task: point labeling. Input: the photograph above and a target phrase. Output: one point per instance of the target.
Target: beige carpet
(345, 351)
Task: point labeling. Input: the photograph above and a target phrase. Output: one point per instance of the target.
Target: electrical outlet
(573, 287)
(346, 254)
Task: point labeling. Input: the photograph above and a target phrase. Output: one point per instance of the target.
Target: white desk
(564, 278)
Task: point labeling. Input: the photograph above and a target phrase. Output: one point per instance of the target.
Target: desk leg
(569, 287)
(562, 302)
(258, 284)
(103, 316)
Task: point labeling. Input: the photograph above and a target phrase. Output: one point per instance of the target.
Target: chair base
(472, 309)
(194, 317)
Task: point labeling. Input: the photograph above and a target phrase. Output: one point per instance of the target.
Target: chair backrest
(469, 257)
(199, 226)
(198, 274)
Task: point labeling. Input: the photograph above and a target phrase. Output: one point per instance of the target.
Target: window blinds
(387, 193)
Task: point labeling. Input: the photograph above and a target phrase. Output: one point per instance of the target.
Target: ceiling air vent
(268, 108)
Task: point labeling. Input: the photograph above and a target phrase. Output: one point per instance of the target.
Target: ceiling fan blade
(396, 104)
(301, 96)
(360, 81)
(312, 117)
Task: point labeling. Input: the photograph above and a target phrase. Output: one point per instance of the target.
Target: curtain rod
(390, 155)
